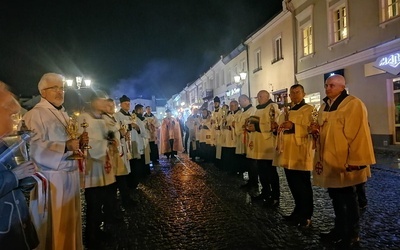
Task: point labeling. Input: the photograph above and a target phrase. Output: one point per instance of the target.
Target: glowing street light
(79, 80)
(241, 77)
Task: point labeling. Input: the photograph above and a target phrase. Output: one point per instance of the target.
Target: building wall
(273, 75)
(367, 40)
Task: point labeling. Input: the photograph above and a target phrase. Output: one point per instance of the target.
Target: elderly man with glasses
(50, 148)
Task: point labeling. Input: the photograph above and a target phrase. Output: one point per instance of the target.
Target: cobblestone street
(190, 206)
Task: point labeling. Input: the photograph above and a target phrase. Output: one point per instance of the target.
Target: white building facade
(360, 40)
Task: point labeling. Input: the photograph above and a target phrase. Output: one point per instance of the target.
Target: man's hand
(313, 128)
(113, 142)
(135, 126)
(24, 170)
(123, 132)
(274, 126)
(72, 145)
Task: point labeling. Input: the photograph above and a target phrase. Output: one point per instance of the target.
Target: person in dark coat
(16, 227)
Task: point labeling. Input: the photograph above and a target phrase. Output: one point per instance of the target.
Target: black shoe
(331, 237)
(290, 218)
(347, 243)
(271, 203)
(260, 197)
(362, 207)
(129, 203)
(304, 223)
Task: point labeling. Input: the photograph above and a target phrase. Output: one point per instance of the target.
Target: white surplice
(47, 150)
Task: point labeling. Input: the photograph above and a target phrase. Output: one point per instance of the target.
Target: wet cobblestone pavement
(184, 205)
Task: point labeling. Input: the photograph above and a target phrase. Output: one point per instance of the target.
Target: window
(216, 80)
(313, 99)
(307, 41)
(222, 78)
(393, 8)
(390, 9)
(396, 95)
(305, 31)
(243, 66)
(277, 49)
(338, 21)
(340, 24)
(257, 57)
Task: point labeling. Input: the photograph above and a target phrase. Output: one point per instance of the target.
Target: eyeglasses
(55, 88)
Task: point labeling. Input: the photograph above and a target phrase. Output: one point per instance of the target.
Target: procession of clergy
(114, 151)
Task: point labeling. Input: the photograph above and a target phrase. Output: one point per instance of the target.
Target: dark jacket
(16, 228)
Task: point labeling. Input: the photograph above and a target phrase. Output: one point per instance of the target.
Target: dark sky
(125, 46)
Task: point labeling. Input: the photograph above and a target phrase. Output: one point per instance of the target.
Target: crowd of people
(107, 154)
(330, 148)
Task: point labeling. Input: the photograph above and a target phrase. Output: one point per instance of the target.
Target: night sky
(150, 47)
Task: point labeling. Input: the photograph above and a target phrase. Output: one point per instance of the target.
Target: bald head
(263, 97)
(334, 86)
(244, 101)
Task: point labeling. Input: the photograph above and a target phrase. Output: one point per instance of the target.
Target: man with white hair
(50, 147)
(343, 159)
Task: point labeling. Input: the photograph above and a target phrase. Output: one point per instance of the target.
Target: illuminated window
(305, 28)
(393, 8)
(390, 9)
(307, 41)
(338, 21)
(313, 99)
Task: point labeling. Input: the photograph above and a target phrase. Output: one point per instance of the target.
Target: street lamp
(79, 80)
(240, 79)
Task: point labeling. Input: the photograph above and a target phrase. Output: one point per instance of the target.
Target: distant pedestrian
(170, 136)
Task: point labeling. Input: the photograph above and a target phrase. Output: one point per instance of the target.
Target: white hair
(48, 78)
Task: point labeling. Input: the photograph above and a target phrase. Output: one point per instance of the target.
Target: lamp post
(240, 80)
(78, 92)
(79, 80)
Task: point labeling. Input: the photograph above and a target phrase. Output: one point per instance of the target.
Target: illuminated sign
(389, 63)
(232, 91)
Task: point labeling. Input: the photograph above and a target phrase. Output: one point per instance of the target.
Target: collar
(262, 106)
(124, 112)
(58, 108)
(298, 105)
(247, 107)
(336, 102)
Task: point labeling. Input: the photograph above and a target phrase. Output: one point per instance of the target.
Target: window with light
(340, 23)
(307, 41)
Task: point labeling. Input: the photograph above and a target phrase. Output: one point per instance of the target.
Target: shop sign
(389, 63)
(232, 91)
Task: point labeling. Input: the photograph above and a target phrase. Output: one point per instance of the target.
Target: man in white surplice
(50, 147)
